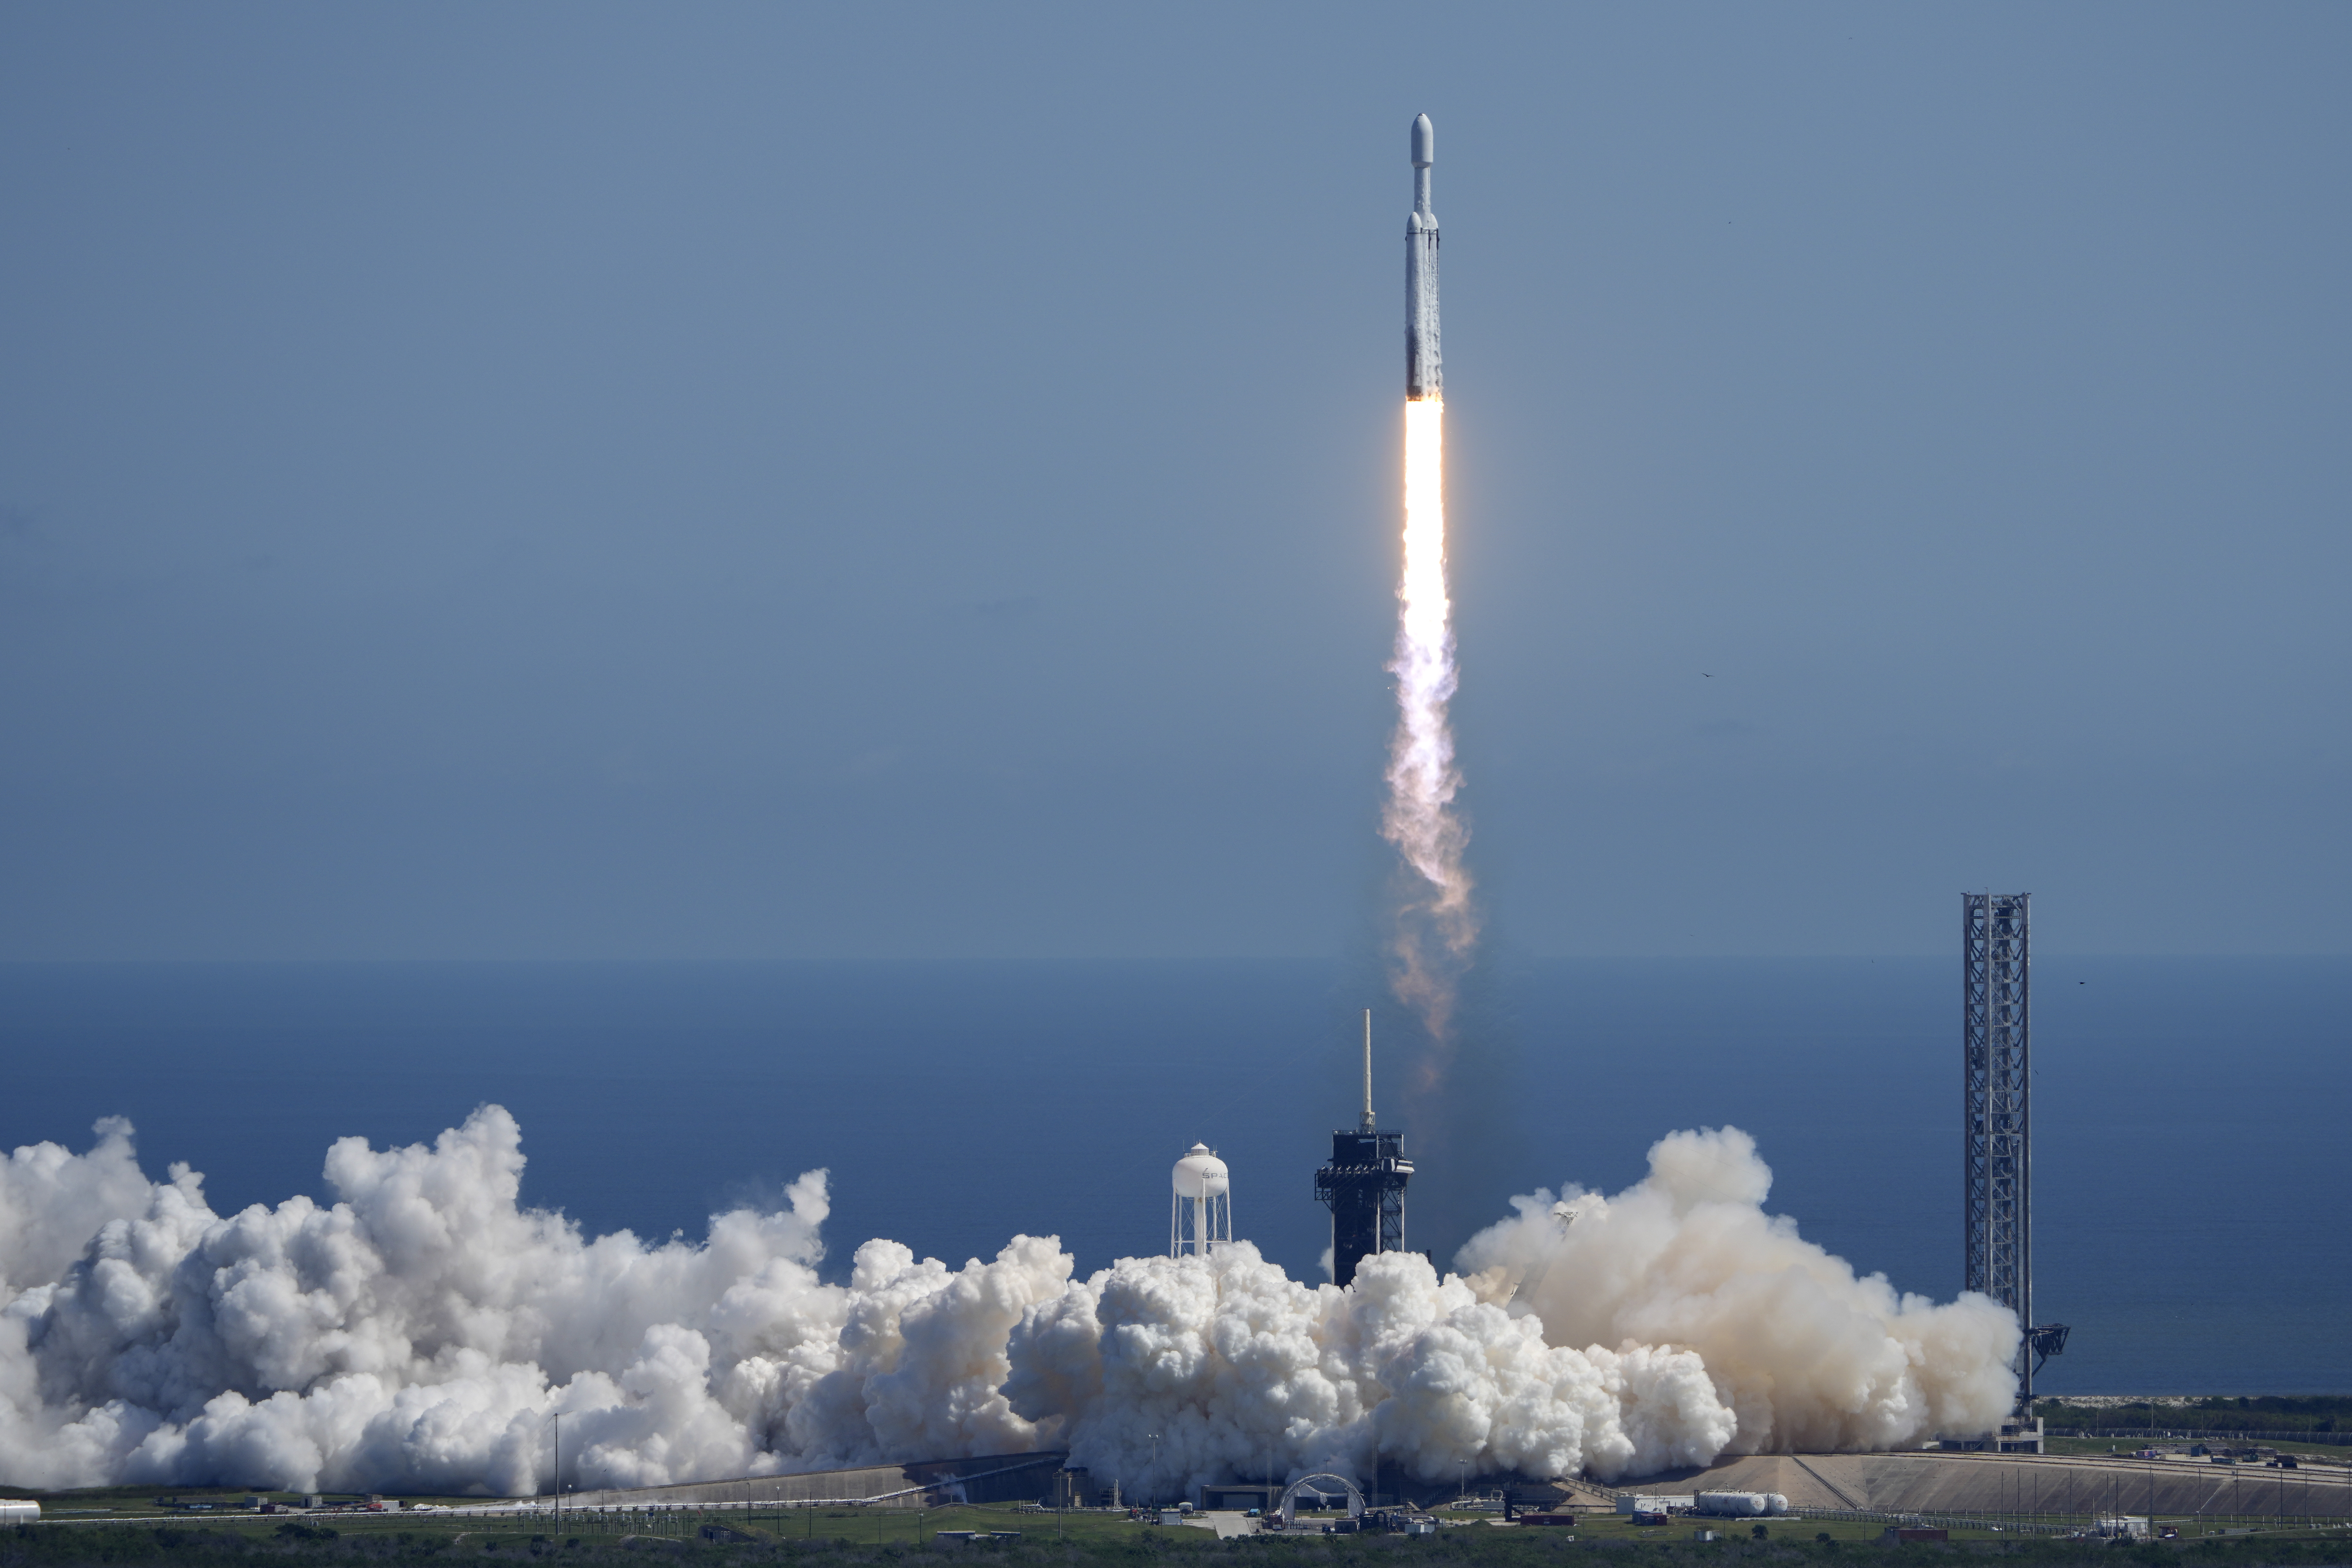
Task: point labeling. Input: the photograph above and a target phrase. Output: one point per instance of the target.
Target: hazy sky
(573, 481)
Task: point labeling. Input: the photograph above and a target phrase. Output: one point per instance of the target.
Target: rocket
(1421, 378)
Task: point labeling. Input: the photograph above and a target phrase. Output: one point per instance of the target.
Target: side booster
(1422, 379)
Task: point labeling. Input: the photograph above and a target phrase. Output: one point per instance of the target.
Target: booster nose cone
(1424, 142)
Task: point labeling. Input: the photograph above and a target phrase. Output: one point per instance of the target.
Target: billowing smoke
(1436, 921)
(417, 1334)
(1242, 1372)
(1808, 1356)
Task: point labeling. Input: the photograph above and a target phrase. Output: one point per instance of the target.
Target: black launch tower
(1364, 1185)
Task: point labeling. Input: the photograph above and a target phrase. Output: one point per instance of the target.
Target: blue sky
(572, 481)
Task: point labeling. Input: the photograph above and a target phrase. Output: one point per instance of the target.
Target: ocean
(2190, 1114)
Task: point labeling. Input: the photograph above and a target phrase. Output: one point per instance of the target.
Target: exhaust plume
(1436, 923)
(417, 1334)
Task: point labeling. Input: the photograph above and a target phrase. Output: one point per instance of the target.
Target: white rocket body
(1422, 378)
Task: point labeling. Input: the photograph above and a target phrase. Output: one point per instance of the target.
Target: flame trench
(1435, 921)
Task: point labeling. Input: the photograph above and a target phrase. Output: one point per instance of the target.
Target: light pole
(559, 1472)
(1155, 1467)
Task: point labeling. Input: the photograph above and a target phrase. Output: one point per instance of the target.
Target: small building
(2015, 1436)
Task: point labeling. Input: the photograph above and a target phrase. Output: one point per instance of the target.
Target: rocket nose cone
(1424, 142)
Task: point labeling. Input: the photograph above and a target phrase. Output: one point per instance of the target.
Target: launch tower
(1364, 1185)
(1997, 1118)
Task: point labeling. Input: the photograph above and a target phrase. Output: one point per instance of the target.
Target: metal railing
(2201, 1435)
(2006, 1523)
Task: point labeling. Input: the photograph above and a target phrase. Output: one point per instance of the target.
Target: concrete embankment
(2018, 1484)
(1003, 1477)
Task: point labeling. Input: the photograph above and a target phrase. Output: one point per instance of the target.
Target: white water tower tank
(1200, 1214)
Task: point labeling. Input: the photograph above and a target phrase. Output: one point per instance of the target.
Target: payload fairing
(1423, 380)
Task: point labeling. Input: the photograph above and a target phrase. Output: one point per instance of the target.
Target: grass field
(119, 1535)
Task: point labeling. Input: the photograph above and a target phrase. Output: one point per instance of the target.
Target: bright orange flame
(1438, 925)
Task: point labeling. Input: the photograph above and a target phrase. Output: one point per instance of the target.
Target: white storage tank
(1201, 1214)
(1742, 1504)
(19, 1511)
(1199, 1174)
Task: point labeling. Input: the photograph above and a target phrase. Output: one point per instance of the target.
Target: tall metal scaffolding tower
(1364, 1185)
(1997, 1117)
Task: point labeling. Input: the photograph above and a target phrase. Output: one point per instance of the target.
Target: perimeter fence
(2201, 1435)
(2187, 1524)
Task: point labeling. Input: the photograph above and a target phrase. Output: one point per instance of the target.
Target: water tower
(1200, 1215)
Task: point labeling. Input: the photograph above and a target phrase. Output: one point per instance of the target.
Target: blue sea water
(2190, 1114)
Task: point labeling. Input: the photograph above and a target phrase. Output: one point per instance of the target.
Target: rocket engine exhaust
(1436, 923)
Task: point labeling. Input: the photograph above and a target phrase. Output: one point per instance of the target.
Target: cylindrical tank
(16, 1511)
(1200, 1174)
(1735, 1504)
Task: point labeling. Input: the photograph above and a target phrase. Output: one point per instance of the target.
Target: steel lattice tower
(1996, 1037)
(1364, 1185)
(1997, 1116)
(1364, 1188)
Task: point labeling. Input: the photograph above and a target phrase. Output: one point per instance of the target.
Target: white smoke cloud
(53, 1201)
(1811, 1357)
(1240, 1371)
(417, 1334)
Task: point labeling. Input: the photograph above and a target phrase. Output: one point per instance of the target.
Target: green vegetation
(2267, 1412)
(855, 1538)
